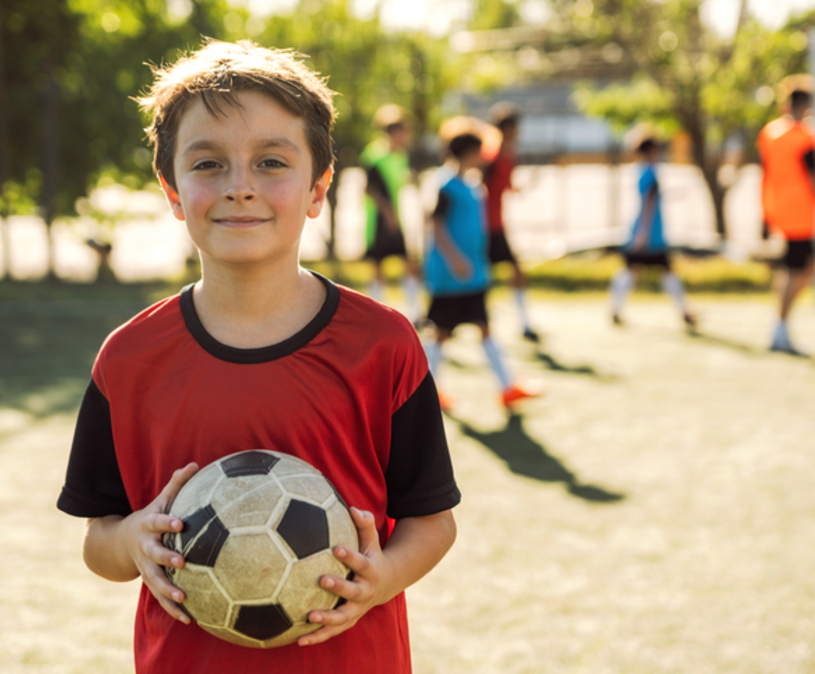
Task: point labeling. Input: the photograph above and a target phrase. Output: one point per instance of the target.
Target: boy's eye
(272, 163)
(205, 165)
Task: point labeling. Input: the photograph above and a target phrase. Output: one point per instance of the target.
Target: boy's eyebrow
(204, 144)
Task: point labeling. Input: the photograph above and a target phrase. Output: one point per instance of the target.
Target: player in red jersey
(260, 354)
(498, 181)
(787, 149)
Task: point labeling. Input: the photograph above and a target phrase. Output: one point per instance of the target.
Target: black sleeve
(376, 183)
(809, 161)
(93, 484)
(442, 207)
(420, 473)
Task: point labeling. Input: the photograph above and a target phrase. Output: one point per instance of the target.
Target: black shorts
(499, 248)
(449, 311)
(647, 260)
(799, 254)
(387, 242)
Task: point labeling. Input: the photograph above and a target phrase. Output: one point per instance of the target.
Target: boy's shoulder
(147, 324)
(136, 342)
(366, 314)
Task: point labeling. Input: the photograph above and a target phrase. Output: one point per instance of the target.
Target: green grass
(652, 513)
(574, 273)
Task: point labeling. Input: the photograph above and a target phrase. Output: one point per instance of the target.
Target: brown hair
(215, 74)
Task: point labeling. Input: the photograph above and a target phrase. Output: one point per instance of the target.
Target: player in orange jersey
(787, 149)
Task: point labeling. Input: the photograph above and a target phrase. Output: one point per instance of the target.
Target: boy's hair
(216, 74)
(800, 100)
(464, 143)
(391, 117)
(504, 115)
(647, 144)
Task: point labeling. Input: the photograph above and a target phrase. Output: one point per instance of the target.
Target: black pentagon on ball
(202, 537)
(262, 622)
(304, 527)
(249, 463)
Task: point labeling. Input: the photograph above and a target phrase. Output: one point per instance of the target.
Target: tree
(67, 71)
(690, 78)
(367, 66)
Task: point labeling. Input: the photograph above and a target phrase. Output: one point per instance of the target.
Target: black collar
(261, 354)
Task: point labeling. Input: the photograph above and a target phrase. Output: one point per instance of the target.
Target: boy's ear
(318, 193)
(172, 198)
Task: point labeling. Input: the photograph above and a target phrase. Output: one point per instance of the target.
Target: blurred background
(77, 193)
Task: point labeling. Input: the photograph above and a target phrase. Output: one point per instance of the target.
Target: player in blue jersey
(647, 245)
(457, 269)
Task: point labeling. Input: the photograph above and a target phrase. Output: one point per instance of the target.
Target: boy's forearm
(416, 545)
(104, 551)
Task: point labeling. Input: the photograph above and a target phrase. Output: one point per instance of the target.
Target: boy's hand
(461, 268)
(361, 593)
(144, 545)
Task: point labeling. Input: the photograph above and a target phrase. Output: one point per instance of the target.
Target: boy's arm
(458, 263)
(377, 190)
(124, 548)
(646, 219)
(415, 546)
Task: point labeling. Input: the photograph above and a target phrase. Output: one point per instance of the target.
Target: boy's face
(244, 181)
(471, 159)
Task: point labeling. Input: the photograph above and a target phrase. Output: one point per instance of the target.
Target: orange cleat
(515, 393)
(445, 402)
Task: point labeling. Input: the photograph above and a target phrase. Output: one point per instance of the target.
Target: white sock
(375, 290)
(433, 351)
(411, 287)
(497, 362)
(673, 286)
(520, 301)
(781, 331)
(621, 283)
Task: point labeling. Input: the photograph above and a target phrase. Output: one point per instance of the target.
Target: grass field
(654, 512)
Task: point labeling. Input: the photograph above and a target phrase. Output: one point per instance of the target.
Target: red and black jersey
(350, 393)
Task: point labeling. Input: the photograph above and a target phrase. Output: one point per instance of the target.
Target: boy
(787, 149)
(388, 170)
(457, 269)
(259, 353)
(647, 245)
(498, 180)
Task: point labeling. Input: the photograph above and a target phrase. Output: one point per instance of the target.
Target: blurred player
(498, 180)
(388, 170)
(456, 268)
(787, 149)
(647, 245)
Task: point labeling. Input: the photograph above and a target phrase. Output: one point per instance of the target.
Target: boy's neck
(253, 310)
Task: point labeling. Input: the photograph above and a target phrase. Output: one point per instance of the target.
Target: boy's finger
(353, 591)
(172, 607)
(180, 478)
(366, 527)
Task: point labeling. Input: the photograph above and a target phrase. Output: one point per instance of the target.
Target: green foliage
(366, 65)
(713, 87)
(93, 54)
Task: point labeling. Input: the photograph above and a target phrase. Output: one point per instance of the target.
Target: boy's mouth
(240, 221)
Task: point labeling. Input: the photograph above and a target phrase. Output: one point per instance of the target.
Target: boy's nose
(239, 188)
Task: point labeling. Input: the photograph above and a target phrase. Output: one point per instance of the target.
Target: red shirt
(350, 394)
(497, 180)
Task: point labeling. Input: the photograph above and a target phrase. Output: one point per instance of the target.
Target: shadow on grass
(525, 456)
(726, 342)
(555, 365)
(49, 337)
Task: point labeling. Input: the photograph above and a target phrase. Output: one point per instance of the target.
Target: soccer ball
(259, 530)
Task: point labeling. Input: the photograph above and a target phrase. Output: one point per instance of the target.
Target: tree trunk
(50, 160)
(709, 163)
(5, 156)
